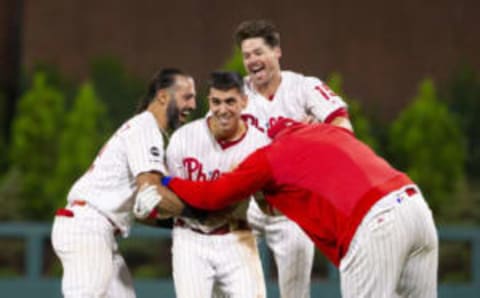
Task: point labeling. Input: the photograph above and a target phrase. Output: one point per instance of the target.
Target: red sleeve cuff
(341, 112)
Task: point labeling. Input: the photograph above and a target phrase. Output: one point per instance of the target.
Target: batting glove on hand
(146, 199)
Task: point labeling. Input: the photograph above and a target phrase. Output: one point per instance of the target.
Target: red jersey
(318, 175)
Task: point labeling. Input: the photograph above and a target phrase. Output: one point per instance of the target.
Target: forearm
(251, 175)
(170, 205)
(211, 195)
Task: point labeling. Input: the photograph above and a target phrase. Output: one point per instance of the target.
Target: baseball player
(100, 202)
(368, 218)
(275, 94)
(218, 251)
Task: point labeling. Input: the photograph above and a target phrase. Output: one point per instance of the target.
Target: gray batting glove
(146, 199)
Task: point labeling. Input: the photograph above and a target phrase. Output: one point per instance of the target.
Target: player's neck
(226, 136)
(160, 116)
(270, 88)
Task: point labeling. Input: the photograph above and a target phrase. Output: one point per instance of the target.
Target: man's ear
(162, 96)
(278, 52)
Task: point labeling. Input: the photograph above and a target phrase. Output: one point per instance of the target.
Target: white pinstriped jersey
(109, 184)
(194, 153)
(297, 97)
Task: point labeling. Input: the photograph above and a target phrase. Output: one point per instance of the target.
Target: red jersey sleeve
(251, 175)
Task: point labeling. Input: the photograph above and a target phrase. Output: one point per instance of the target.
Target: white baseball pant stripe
(292, 250)
(230, 262)
(88, 251)
(394, 253)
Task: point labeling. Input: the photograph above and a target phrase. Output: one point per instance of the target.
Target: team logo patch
(154, 151)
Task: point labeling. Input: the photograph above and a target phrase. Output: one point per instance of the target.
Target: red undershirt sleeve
(251, 175)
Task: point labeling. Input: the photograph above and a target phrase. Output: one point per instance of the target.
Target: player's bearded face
(260, 60)
(173, 114)
(182, 102)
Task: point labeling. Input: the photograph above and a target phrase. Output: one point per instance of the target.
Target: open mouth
(185, 113)
(223, 121)
(256, 69)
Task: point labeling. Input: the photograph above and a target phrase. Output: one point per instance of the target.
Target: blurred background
(72, 71)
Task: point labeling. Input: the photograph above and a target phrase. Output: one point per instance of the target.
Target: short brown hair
(257, 28)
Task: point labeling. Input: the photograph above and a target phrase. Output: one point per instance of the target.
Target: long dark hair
(163, 79)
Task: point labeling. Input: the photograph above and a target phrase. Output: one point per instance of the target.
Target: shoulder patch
(154, 151)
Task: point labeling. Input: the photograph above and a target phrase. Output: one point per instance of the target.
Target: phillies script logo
(194, 169)
(253, 121)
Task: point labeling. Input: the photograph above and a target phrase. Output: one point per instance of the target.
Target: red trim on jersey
(64, 212)
(340, 112)
(271, 96)
(225, 144)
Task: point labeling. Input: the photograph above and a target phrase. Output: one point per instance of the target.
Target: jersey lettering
(92, 166)
(194, 170)
(252, 121)
(325, 91)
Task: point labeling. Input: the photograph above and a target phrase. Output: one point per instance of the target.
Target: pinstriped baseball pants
(207, 266)
(88, 251)
(394, 252)
(292, 250)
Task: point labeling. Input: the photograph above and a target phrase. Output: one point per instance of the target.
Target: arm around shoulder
(251, 175)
